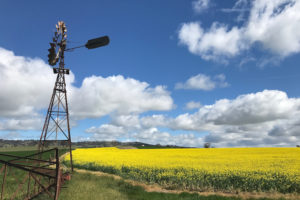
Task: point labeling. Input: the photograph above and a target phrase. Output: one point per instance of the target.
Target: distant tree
(207, 145)
(298, 146)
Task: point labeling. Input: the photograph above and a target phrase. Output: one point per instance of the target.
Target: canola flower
(245, 169)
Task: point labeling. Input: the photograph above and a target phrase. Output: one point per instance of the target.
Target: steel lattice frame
(57, 127)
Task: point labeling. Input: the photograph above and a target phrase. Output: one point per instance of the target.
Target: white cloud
(275, 24)
(107, 132)
(13, 124)
(143, 129)
(150, 135)
(192, 105)
(27, 84)
(272, 23)
(131, 121)
(217, 42)
(257, 119)
(220, 80)
(100, 96)
(200, 5)
(267, 118)
(154, 136)
(253, 108)
(268, 105)
(240, 7)
(203, 82)
(154, 121)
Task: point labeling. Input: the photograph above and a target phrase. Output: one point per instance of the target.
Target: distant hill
(84, 144)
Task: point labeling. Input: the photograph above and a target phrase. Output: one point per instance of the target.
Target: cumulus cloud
(272, 24)
(217, 42)
(200, 5)
(13, 124)
(107, 132)
(143, 129)
(154, 136)
(154, 121)
(268, 105)
(203, 82)
(267, 118)
(130, 121)
(257, 119)
(253, 108)
(275, 24)
(27, 84)
(192, 105)
(142, 132)
(100, 96)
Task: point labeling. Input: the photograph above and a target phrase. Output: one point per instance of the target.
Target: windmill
(57, 123)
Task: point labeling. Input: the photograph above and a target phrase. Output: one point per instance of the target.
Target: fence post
(57, 181)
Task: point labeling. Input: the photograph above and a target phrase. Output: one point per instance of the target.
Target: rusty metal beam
(40, 184)
(25, 169)
(20, 157)
(44, 178)
(31, 155)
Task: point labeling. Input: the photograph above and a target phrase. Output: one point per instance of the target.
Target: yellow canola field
(246, 169)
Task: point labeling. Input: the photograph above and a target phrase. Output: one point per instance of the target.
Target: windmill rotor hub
(58, 44)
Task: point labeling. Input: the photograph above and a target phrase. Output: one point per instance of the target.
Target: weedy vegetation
(88, 186)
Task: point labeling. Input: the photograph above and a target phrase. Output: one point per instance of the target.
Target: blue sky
(175, 72)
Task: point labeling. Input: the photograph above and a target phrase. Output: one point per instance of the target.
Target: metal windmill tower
(57, 124)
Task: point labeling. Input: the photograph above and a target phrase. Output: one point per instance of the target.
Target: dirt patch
(97, 173)
(158, 188)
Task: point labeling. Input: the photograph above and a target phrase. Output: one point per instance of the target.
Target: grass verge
(88, 186)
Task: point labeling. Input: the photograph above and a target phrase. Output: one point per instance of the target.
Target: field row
(228, 169)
